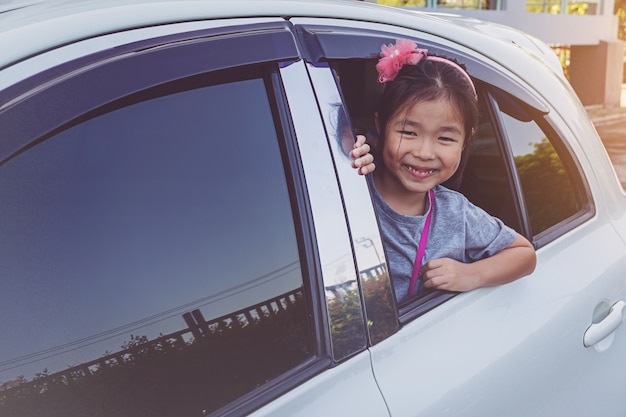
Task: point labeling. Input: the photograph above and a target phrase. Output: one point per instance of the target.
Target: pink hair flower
(393, 57)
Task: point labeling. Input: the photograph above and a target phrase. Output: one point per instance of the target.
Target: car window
(552, 186)
(150, 264)
(485, 179)
(517, 168)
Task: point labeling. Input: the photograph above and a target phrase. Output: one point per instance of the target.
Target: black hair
(430, 80)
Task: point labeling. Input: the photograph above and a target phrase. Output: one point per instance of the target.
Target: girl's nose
(423, 149)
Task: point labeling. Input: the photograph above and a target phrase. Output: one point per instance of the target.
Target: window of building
(563, 7)
(446, 4)
(468, 4)
(150, 263)
(415, 3)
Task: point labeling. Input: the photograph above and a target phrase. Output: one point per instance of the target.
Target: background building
(583, 33)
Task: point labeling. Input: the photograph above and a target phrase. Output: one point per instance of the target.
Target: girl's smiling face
(422, 148)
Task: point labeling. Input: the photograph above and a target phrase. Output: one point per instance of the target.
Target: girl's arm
(515, 261)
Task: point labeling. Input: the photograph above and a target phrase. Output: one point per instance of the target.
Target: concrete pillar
(596, 72)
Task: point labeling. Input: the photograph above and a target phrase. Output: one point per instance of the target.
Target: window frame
(273, 43)
(332, 41)
(567, 156)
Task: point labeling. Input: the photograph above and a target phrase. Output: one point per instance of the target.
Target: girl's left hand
(449, 275)
(362, 159)
(515, 261)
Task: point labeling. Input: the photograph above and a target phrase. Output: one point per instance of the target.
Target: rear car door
(522, 349)
(164, 246)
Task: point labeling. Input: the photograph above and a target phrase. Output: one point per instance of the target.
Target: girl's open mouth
(419, 172)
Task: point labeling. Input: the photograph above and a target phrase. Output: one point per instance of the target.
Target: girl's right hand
(362, 159)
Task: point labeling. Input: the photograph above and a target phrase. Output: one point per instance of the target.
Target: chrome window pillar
(374, 281)
(343, 301)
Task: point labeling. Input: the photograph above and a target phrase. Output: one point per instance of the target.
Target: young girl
(434, 237)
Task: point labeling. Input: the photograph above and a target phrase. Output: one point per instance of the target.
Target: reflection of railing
(198, 327)
(374, 271)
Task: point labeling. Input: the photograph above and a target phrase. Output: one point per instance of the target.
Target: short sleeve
(485, 235)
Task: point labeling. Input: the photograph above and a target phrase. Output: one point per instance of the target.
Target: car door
(521, 349)
(173, 238)
(532, 347)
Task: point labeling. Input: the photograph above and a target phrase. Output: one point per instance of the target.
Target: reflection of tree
(619, 9)
(174, 375)
(380, 306)
(547, 188)
(346, 323)
(347, 315)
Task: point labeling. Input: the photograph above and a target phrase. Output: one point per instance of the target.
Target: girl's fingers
(363, 160)
(360, 150)
(367, 169)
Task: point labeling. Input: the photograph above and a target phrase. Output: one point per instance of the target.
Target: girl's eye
(407, 133)
(447, 139)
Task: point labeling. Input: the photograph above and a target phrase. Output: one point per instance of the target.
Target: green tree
(619, 9)
(547, 187)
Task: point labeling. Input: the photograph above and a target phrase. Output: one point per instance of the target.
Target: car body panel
(503, 342)
(343, 391)
(522, 39)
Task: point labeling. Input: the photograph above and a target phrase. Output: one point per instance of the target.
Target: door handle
(599, 331)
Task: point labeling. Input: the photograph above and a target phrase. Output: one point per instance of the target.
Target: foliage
(170, 377)
(554, 7)
(619, 9)
(380, 306)
(546, 185)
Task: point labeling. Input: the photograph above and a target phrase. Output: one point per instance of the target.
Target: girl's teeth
(421, 171)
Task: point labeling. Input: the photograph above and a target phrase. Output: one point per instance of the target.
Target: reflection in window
(149, 261)
(548, 190)
(563, 7)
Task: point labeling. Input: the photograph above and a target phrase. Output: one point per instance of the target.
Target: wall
(596, 73)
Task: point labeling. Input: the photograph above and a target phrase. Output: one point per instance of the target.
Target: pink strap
(421, 248)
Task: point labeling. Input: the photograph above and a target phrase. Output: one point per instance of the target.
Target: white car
(182, 234)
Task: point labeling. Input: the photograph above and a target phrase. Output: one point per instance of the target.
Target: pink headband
(405, 51)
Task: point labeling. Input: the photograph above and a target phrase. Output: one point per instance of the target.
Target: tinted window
(149, 261)
(485, 180)
(545, 169)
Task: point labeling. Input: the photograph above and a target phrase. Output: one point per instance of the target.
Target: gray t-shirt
(458, 230)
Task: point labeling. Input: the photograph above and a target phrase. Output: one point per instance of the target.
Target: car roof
(37, 26)
(8, 5)
(507, 33)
